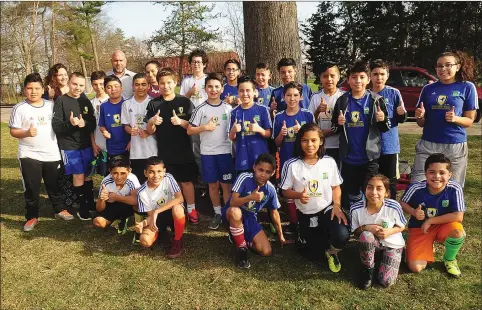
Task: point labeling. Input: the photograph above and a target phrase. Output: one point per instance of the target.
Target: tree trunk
(52, 36)
(82, 61)
(94, 49)
(271, 33)
(183, 43)
(45, 37)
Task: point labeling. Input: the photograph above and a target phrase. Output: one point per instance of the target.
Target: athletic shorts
(77, 161)
(164, 219)
(250, 224)
(116, 211)
(183, 172)
(420, 245)
(217, 168)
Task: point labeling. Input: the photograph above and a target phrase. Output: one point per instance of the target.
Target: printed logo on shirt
(224, 117)
(139, 119)
(251, 206)
(86, 110)
(161, 201)
(445, 203)
(366, 110)
(165, 192)
(431, 212)
(257, 118)
(455, 93)
(442, 103)
(313, 185)
(181, 110)
(215, 120)
(41, 120)
(355, 117)
(246, 129)
(441, 99)
(325, 176)
(116, 118)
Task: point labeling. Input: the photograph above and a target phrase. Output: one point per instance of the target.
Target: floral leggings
(388, 272)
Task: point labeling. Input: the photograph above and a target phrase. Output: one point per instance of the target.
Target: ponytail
(466, 72)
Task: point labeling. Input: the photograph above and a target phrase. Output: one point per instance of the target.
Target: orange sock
(179, 227)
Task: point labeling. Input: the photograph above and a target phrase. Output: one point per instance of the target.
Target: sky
(141, 19)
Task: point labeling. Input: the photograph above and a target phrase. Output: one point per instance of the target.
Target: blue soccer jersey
(264, 95)
(451, 199)
(393, 99)
(229, 91)
(357, 127)
(280, 100)
(110, 118)
(438, 99)
(245, 184)
(287, 147)
(249, 144)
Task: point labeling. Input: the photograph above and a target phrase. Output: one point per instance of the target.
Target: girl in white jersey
(313, 181)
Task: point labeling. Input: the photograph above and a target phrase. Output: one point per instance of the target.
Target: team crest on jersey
(161, 201)
(355, 116)
(86, 110)
(366, 110)
(260, 100)
(455, 93)
(325, 176)
(313, 185)
(291, 132)
(41, 120)
(215, 119)
(165, 192)
(445, 203)
(116, 118)
(181, 110)
(329, 111)
(251, 205)
(224, 117)
(246, 125)
(441, 99)
(431, 212)
(385, 100)
(139, 119)
(256, 118)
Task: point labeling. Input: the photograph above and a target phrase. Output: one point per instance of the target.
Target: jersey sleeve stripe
(240, 180)
(394, 205)
(285, 168)
(12, 116)
(412, 189)
(141, 206)
(173, 183)
(458, 195)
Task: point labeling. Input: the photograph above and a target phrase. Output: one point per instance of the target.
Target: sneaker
(64, 215)
(137, 238)
(301, 242)
(452, 268)
(242, 258)
(217, 219)
(176, 248)
(84, 217)
(30, 225)
(366, 278)
(291, 229)
(122, 226)
(333, 262)
(193, 217)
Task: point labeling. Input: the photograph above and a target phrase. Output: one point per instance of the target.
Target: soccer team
(338, 157)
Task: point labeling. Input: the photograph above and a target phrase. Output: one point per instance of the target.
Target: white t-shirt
(131, 184)
(98, 137)
(133, 114)
(188, 83)
(390, 214)
(318, 180)
(150, 199)
(331, 142)
(43, 146)
(217, 141)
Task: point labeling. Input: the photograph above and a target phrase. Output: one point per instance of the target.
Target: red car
(410, 81)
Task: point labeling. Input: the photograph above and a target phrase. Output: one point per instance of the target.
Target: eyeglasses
(446, 66)
(196, 62)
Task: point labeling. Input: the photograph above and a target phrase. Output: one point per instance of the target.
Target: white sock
(190, 207)
(217, 210)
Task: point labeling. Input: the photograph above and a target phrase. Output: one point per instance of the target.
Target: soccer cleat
(452, 268)
(84, 217)
(137, 238)
(122, 226)
(64, 215)
(242, 258)
(193, 217)
(214, 224)
(333, 262)
(366, 278)
(30, 225)
(176, 248)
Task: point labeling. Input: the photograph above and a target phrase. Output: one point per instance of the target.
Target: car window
(395, 79)
(412, 78)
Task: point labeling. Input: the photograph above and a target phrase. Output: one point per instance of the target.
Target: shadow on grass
(10, 163)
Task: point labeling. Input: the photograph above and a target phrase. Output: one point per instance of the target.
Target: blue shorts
(217, 168)
(77, 161)
(250, 224)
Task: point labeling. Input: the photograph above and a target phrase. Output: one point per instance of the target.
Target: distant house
(215, 64)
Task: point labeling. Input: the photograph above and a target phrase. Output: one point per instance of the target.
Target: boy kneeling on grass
(162, 199)
(436, 207)
(117, 195)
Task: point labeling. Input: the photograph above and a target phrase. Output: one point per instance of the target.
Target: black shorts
(165, 219)
(183, 172)
(116, 211)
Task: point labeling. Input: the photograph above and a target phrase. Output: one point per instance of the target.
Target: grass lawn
(71, 265)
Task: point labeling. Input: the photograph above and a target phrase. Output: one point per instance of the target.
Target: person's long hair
(51, 75)
(466, 72)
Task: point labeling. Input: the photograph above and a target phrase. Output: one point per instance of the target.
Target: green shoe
(122, 226)
(333, 262)
(452, 268)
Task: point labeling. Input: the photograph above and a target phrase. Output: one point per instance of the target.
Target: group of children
(338, 156)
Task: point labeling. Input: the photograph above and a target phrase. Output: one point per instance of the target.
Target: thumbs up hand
(450, 116)
(156, 119)
(273, 105)
(323, 106)
(74, 120)
(420, 111)
(135, 130)
(341, 118)
(194, 90)
(419, 214)
(254, 126)
(304, 197)
(32, 131)
(284, 129)
(296, 127)
(104, 193)
(380, 116)
(106, 134)
(236, 127)
(210, 126)
(256, 195)
(81, 123)
(401, 109)
(175, 120)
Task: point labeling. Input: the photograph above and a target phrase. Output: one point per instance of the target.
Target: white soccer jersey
(131, 184)
(390, 214)
(133, 114)
(331, 142)
(217, 141)
(317, 179)
(43, 146)
(98, 137)
(150, 199)
(188, 83)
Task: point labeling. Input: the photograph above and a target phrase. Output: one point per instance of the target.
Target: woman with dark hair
(56, 82)
(445, 108)
(313, 181)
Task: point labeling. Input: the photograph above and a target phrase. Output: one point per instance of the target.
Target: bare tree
(233, 12)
